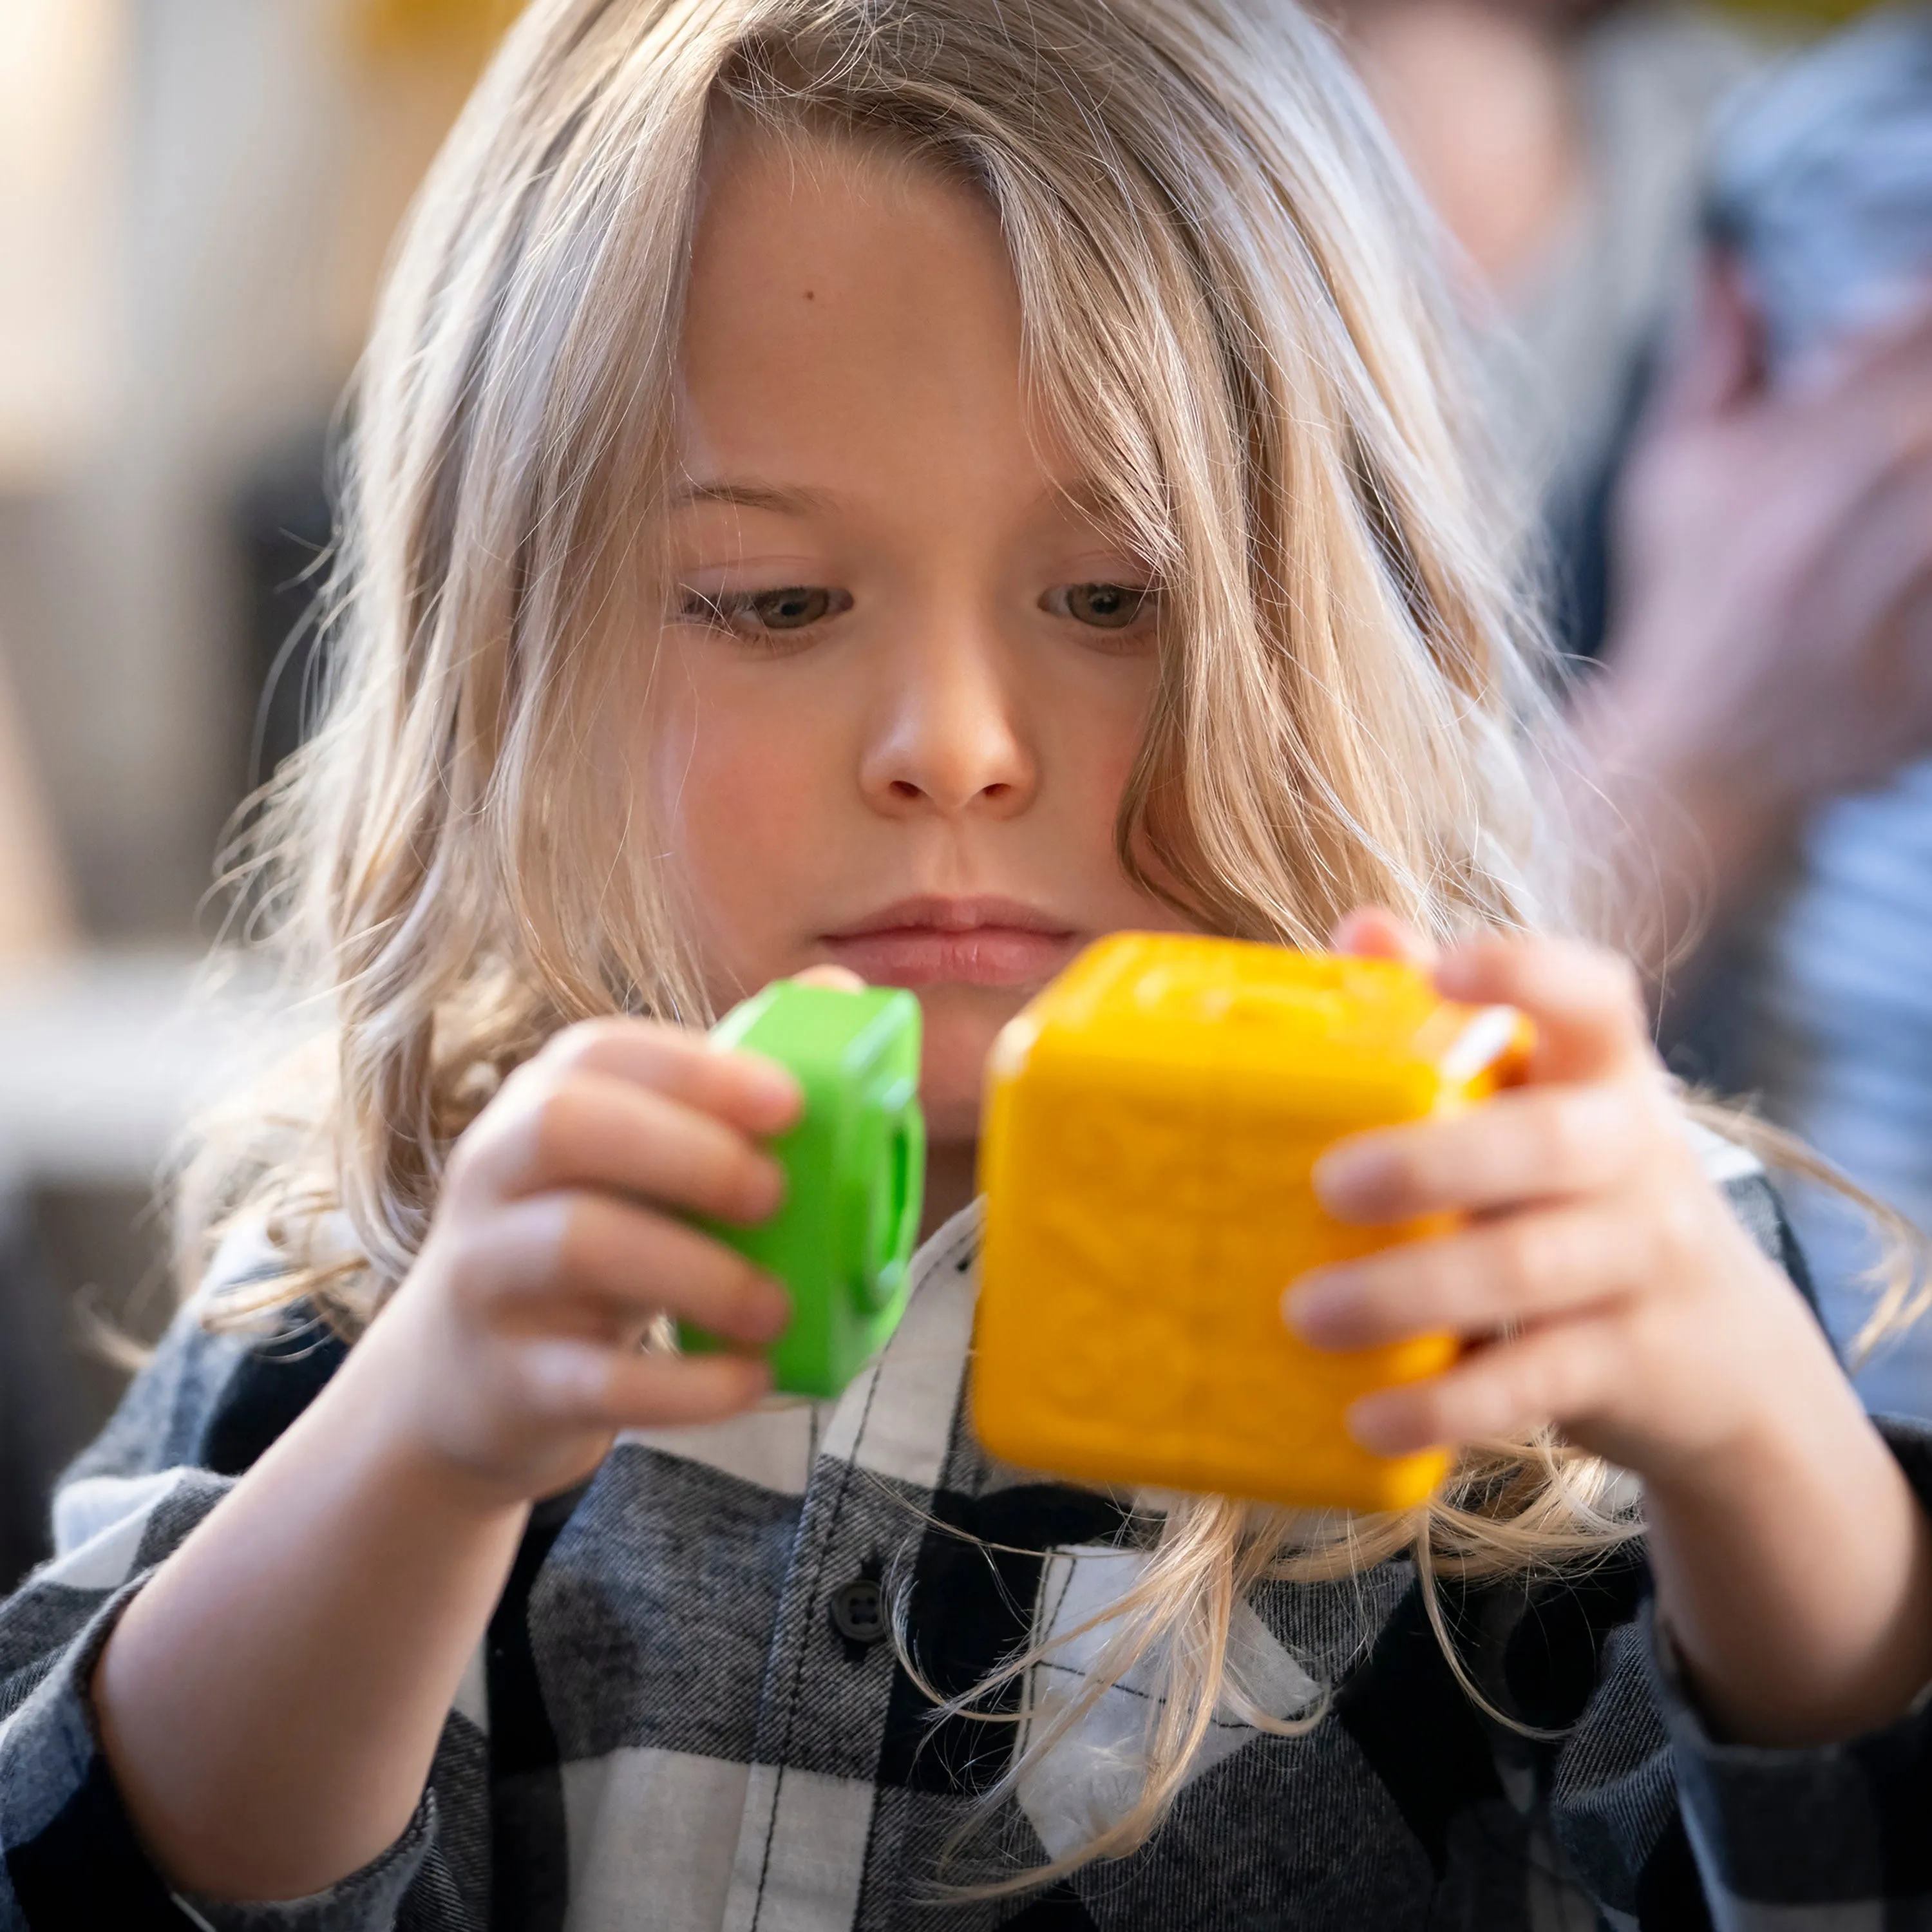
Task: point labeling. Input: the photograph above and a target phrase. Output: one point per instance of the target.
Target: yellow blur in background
(197, 200)
(390, 26)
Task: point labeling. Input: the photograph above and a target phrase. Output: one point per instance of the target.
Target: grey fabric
(666, 1727)
(370, 1896)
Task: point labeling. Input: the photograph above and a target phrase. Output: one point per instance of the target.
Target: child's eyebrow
(797, 501)
(1087, 499)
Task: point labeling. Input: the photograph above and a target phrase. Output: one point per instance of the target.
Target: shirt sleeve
(1837, 1834)
(191, 1423)
(1662, 1826)
(1657, 1824)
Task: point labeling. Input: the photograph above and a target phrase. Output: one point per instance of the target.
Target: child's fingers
(1586, 1004)
(745, 1089)
(1372, 932)
(630, 1263)
(1559, 1374)
(1531, 1144)
(1470, 1284)
(652, 1391)
(591, 1130)
(578, 1385)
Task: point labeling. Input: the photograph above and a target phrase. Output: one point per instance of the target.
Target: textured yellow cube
(1151, 1122)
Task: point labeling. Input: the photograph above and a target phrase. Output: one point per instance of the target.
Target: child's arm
(270, 1702)
(1608, 1290)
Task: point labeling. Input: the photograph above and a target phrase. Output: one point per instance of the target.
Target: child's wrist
(420, 1474)
(1796, 1591)
(402, 1460)
(1791, 1432)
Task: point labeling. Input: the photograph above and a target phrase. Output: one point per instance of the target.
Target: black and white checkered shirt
(684, 1716)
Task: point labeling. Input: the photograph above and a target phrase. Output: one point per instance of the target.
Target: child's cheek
(737, 791)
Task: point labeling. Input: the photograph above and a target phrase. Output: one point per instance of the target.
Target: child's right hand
(511, 1354)
(271, 1699)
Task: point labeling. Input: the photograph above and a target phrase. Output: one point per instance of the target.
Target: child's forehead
(793, 198)
(850, 314)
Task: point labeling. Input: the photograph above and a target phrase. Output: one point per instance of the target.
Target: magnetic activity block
(855, 1174)
(1152, 1120)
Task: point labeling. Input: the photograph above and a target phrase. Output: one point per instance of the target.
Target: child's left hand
(1602, 1281)
(1604, 1286)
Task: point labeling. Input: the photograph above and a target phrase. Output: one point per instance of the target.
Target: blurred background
(196, 200)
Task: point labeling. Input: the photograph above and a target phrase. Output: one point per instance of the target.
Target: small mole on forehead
(808, 295)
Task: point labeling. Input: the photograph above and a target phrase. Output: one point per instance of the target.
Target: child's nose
(950, 740)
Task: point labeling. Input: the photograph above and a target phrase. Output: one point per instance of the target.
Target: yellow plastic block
(1152, 1119)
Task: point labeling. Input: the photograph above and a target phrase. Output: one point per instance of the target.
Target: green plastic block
(855, 1174)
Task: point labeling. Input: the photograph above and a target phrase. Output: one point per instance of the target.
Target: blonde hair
(1230, 316)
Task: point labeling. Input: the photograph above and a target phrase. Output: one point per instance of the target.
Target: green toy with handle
(842, 1240)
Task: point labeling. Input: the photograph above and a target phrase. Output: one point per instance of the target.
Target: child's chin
(950, 1099)
(962, 1023)
(952, 1122)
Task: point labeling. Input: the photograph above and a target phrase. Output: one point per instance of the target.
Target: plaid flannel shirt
(684, 1716)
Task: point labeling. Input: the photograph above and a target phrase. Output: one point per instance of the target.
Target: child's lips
(983, 956)
(932, 941)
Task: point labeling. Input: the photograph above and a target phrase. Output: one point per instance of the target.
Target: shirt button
(859, 1610)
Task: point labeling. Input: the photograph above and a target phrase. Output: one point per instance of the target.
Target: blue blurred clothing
(1822, 183)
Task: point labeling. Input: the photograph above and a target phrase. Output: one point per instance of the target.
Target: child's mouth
(979, 942)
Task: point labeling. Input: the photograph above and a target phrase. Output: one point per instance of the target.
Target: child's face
(903, 679)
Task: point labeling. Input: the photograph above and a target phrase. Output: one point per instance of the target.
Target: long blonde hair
(1229, 313)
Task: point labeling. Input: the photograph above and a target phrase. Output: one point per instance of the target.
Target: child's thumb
(837, 979)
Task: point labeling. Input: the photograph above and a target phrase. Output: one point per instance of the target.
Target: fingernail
(775, 1176)
(757, 1375)
(1346, 1179)
(773, 1091)
(771, 1310)
(1376, 1422)
(764, 1192)
(1316, 1307)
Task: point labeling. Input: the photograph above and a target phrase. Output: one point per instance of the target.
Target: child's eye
(795, 607)
(1102, 607)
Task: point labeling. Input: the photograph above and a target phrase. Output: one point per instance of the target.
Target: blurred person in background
(1741, 520)
(1563, 145)
(1764, 712)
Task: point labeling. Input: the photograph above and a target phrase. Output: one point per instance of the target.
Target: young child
(906, 486)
